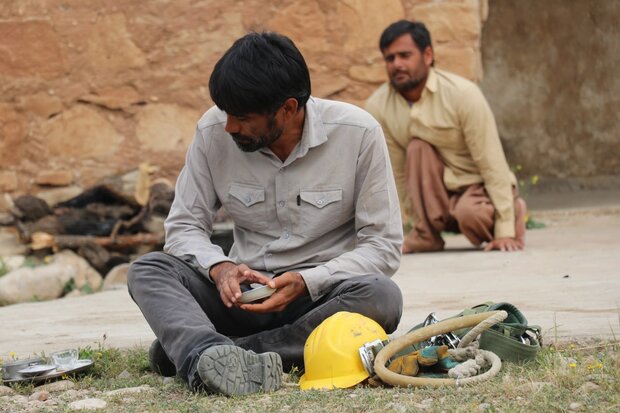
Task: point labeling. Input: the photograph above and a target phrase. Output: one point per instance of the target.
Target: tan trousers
(436, 209)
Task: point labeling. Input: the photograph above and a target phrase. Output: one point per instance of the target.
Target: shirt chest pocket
(321, 211)
(246, 205)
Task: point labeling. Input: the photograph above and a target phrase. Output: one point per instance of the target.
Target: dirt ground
(567, 280)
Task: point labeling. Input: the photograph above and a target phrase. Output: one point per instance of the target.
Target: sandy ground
(567, 281)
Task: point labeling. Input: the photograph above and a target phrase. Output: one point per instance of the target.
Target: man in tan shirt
(450, 170)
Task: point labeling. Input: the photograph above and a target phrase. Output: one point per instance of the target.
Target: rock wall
(551, 77)
(91, 89)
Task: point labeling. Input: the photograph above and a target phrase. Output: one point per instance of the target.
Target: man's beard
(251, 143)
(407, 85)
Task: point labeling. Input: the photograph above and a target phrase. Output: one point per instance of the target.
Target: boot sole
(231, 370)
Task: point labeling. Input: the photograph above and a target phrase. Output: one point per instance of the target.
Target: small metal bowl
(10, 370)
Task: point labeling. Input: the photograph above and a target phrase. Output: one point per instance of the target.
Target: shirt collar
(314, 132)
(431, 81)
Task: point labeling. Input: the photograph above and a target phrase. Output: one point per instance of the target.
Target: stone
(129, 391)
(41, 395)
(575, 407)
(85, 275)
(600, 377)
(33, 284)
(110, 47)
(454, 23)
(88, 404)
(8, 181)
(483, 407)
(532, 387)
(117, 276)
(374, 73)
(41, 104)
(14, 261)
(30, 48)
(48, 282)
(80, 132)
(163, 127)
(115, 98)
(588, 387)
(5, 390)
(54, 178)
(464, 61)
(54, 196)
(124, 375)
(57, 386)
(13, 128)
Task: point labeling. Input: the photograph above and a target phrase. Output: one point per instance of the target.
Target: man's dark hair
(258, 74)
(418, 31)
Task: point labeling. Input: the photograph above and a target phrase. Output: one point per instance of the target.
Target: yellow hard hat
(331, 354)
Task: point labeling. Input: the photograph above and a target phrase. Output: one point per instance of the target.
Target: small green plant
(69, 286)
(3, 267)
(524, 185)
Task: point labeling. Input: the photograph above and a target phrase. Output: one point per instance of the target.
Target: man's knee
(417, 146)
(383, 301)
(144, 266)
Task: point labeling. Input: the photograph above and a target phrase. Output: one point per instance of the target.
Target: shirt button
(286, 234)
(320, 202)
(281, 203)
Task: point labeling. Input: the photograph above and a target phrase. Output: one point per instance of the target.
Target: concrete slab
(567, 281)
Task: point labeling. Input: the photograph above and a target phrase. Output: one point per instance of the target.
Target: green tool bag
(512, 340)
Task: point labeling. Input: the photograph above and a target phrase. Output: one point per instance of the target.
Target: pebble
(574, 407)
(6, 390)
(88, 404)
(588, 386)
(533, 386)
(483, 407)
(396, 407)
(62, 385)
(41, 395)
(168, 381)
(598, 378)
(124, 375)
(129, 390)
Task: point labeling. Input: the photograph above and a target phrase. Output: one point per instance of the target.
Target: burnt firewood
(29, 208)
(100, 258)
(100, 194)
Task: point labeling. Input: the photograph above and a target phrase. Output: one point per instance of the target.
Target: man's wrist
(215, 270)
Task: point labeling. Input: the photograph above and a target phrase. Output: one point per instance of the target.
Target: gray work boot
(231, 370)
(159, 361)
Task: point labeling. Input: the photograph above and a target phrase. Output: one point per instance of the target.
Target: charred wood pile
(105, 224)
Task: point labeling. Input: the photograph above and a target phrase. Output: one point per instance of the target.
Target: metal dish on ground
(37, 369)
(79, 366)
(10, 369)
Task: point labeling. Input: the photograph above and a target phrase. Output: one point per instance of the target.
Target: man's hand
(228, 276)
(289, 286)
(505, 244)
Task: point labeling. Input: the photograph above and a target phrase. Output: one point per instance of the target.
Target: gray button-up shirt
(330, 211)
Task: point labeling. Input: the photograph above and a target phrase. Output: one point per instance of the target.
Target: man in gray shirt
(310, 189)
